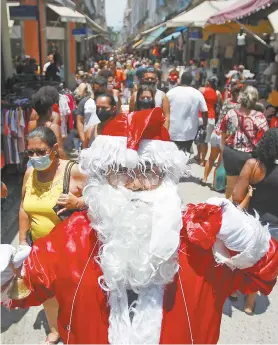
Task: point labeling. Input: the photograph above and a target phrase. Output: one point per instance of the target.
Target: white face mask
(41, 163)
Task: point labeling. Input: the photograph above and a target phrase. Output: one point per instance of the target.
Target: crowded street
(139, 172)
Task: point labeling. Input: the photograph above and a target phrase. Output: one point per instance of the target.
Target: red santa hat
(132, 140)
(144, 124)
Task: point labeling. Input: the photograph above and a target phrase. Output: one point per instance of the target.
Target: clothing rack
(16, 109)
(14, 128)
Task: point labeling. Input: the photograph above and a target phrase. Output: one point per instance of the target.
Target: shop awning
(172, 36)
(67, 15)
(152, 29)
(137, 44)
(238, 10)
(152, 37)
(273, 18)
(263, 26)
(94, 25)
(200, 14)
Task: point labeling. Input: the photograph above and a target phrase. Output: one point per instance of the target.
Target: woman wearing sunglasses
(42, 190)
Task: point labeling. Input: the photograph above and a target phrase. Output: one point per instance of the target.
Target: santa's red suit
(192, 305)
(182, 265)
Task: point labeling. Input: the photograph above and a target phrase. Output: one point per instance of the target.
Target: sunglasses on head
(40, 153)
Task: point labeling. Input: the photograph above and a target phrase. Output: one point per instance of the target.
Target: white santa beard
(139, 232)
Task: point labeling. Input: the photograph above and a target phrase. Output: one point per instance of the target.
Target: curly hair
(267, 149)
(248, 97)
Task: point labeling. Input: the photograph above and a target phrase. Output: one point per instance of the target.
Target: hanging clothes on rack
(14, 121)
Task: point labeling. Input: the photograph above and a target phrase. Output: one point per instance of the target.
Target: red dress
(57, 261)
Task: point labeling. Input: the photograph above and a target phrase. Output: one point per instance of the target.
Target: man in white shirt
(185, 104)
(50, 58)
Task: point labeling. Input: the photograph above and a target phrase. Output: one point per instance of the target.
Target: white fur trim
(132, 159)
(242, 233)
(109, 151)
(146, 325)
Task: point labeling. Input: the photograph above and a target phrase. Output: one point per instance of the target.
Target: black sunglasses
(40, 153)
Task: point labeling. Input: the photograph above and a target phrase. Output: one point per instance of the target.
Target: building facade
(69, 27)
(141, 15)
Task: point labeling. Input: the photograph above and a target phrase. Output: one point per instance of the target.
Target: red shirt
(210, 96)
(119, 79)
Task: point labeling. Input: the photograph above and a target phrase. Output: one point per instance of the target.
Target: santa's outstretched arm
(27, 275)
(238, 241)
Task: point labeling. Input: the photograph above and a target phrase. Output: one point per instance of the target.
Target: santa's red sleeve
(38, 272)
(245, 255)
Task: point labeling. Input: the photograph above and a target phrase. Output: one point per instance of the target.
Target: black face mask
(145, 103)
(148, 82)
(97, 93)
(103, 114)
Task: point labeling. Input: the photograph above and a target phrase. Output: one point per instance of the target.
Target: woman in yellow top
(42, 190)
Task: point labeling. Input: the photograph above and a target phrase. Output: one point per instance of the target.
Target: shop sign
(195, 35)
(82, 31)
(24, 12)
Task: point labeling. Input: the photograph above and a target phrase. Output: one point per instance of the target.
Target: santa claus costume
(138, 267)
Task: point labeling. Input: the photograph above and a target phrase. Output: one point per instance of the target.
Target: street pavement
(29, 326)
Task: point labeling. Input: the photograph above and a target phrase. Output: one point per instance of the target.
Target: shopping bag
(220, 178)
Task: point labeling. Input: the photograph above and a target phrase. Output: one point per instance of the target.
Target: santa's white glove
(9, 255)
(242, 233)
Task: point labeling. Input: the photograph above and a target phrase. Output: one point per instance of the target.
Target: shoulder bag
(66, 184)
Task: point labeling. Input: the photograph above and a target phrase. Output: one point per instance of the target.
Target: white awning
(94, 24)
(152, 29)
(199, 15)
(67, 15)
(273, 18)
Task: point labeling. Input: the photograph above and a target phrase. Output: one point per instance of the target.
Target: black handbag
(66, 184)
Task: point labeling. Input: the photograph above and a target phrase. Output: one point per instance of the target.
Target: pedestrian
(86, 111)
(173, 77)
(84, 89)
(119, 77)
(257, 187)
(129, 81)
(185, 104)
(53, 71)
(241, 128)
(50, 58)
(105, 110)
(158, 72)
(111, 88)
(94, 71)
(145, 98)
(136, 258)
(42, 189)
(55, 117)
(212, 98)
(140, 72)
(161, 99)
(30, 66)
(43, 101)
(215, 141)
